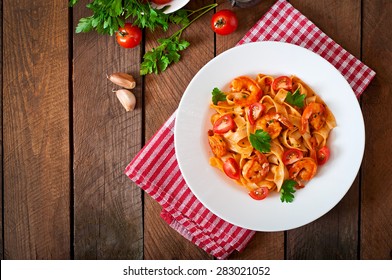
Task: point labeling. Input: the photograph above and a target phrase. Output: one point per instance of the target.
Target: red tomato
(224, 22)
(255, 111)
(223, 124)
(160, 2)
(291, 155)
(231, 169)
(282, 82)
(129, 36)
(259, 193)
(323, 155)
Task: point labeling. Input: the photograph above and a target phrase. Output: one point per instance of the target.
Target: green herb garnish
(261, 141)
(287, 191)
(295, 99)
(217, 95)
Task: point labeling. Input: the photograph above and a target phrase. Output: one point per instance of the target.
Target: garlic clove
(123, 80)
(127, 99)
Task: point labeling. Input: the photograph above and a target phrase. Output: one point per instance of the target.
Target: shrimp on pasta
(269, 132)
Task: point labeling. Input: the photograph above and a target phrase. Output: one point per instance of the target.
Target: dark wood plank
(376, 209)
(163, 93)
(335, 235)
(264, 245)
(1, 139)
(36, 130)
(107, 205)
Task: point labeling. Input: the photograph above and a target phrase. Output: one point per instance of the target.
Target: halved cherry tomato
(259, 193)
(223, 124)
(231, 169)
(282, 82)
(255, 111)
(323, 155)
(292, 155)
(224, 22)
(129, 36)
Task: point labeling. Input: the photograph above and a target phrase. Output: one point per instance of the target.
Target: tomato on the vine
(129, 36)
(224, 22)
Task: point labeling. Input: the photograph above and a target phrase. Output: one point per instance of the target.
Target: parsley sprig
(260, 140)
(159, 58)
(287, 191)
(108, 15)
(296, 98)
(217, 95)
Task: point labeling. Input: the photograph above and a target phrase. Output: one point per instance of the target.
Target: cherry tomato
(292, 155)
(254, 112)
(259, 193)
(224, 22)
(129, 36)
(282, 82)
(160, 2)
(223, 124)
(323, 155)
(231, 169)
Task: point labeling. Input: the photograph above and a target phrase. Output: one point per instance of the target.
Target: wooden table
(66, 139)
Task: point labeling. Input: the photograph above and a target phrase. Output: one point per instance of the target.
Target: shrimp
(315, 114)
(247, 91)
(304, 169)
(217, 144)
(271, 124)
(256, 169)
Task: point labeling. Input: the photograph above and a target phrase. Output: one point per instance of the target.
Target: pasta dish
(269, 134)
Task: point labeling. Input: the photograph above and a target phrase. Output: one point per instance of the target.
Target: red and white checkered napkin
(155, 168)
(285, 23)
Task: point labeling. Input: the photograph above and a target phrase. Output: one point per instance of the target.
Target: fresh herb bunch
(159, 58)
(109, 15)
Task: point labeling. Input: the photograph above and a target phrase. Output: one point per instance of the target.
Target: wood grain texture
(1, 138)
(36, 130)
(334, 235)
(163, 93)
(376, 210)
(107, 205)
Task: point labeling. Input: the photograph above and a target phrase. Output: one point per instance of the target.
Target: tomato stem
(205, 10)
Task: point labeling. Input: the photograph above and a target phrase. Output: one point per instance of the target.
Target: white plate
(230, 201)
(173, 5)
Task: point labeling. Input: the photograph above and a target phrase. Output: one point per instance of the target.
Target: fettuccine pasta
(269, 134)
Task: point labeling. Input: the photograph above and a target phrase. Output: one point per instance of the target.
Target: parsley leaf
(261, 141)
(159, 58)
(295, 99)
(217, 95)
(287, 191)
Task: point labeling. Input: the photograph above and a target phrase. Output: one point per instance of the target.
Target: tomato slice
(223, 124)
(282, 82)
(254, 112)
(323, 155)
(292, 155)
(231, 168)
(259, 194)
